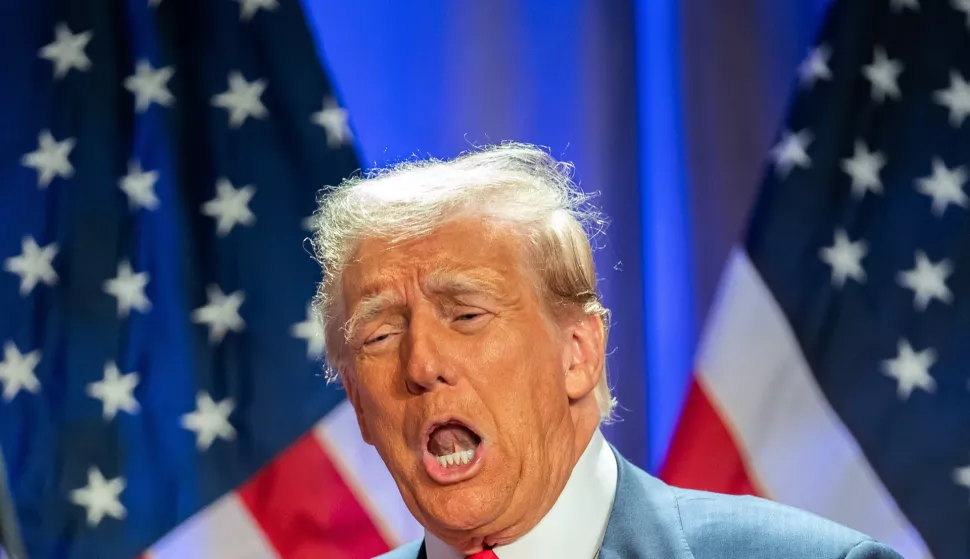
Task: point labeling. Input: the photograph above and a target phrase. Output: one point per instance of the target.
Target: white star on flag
(845, 258)
(139, 186)
(150, 85)
(247, 8)
(944, 186)
(100, 497)
(911, 369)
(815, 66)
(333, 119)
(33, 265)
(221, 313)
(129, 289)
(210, 420)
(241, 99)
(17, 371)
(115, 391)
(67, 50)
(900, 5)
(230, 206)
(955, 98)
(883, 74)
(310, 330)
(864, 167)
(50, 159)
(963, 6)
(927, 281)
(791, 152)
(962, 476)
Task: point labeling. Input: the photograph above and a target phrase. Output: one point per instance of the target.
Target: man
(461, 314)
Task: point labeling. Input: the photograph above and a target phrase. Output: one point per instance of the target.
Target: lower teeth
(456, 458)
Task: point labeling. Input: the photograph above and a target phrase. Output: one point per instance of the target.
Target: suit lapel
(645, 521)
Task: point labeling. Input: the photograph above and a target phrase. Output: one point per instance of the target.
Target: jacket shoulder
(732, 526)
(410, 550)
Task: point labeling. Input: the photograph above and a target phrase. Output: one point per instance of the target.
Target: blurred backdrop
(667, 109)
(162, 158)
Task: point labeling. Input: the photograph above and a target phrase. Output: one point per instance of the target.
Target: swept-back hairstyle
(512, 184)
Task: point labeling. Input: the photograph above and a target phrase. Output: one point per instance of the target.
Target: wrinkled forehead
(461, 257)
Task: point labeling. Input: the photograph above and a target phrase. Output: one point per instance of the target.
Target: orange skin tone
(493, 355)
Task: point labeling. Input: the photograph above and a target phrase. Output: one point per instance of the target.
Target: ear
(584, 356)
(347, 379)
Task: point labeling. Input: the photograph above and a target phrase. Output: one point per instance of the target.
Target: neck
(586, 420)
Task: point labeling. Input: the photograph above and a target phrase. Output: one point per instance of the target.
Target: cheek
(532, 357)
(383, 411)
(385, 421)
(521, 375)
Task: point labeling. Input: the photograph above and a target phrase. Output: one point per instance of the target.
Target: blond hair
(511, 183)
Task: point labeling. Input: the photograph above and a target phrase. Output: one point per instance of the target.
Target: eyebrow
(369, 308)
(449, 282)
(440, 282)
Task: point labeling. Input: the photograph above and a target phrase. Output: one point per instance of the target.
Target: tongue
(449, 439)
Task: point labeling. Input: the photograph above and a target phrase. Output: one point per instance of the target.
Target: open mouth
(453, 444)
(453, 451)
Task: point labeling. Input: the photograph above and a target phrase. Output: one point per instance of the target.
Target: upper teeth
(456, 458)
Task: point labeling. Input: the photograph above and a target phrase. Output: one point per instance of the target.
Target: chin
(467, 506)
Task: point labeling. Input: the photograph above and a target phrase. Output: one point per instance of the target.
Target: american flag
(160, 386)
(833, 371)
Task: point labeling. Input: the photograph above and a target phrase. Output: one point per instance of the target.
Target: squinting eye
(377, 339)
(468, 316)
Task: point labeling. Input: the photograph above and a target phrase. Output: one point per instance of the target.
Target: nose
(425, 367)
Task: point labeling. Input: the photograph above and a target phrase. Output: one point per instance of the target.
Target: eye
(376, 339)
(469, 319)
(379, 336)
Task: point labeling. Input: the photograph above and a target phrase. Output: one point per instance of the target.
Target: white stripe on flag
(366, 475)
(224, 530)
(799, 450)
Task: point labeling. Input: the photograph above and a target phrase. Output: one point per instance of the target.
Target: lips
(453, 451)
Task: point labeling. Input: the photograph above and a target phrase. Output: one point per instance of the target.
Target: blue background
(667, 109)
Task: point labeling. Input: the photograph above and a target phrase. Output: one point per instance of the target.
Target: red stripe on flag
(703, 454)
(307, 510)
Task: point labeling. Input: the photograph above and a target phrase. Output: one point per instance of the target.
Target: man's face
(459, 376)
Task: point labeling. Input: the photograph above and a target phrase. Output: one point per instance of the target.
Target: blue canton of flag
(160, 161)
(862, 233)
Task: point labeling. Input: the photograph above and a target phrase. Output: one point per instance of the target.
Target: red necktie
(487, 554)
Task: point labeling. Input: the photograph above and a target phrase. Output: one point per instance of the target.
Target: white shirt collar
(574, 526)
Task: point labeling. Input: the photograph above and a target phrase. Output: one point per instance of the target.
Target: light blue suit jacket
(652, 520)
